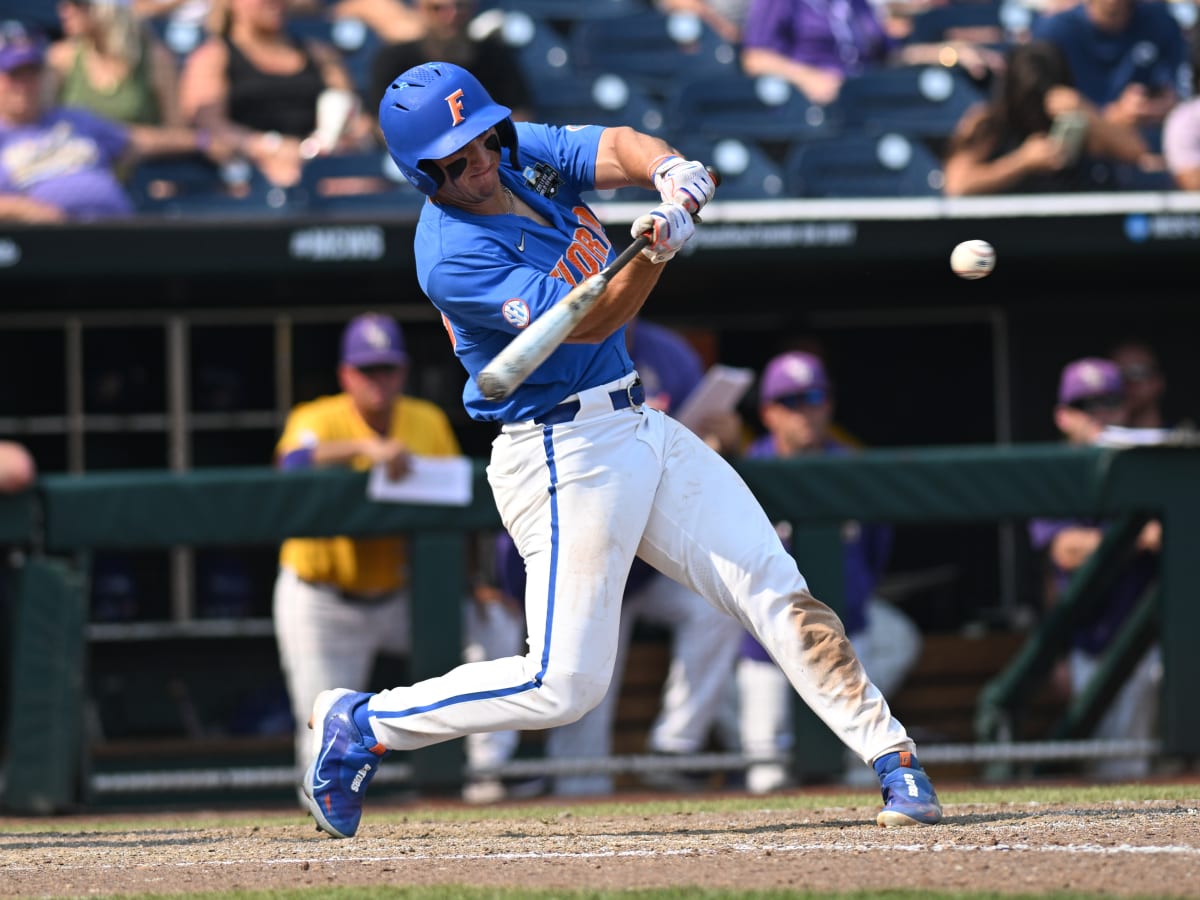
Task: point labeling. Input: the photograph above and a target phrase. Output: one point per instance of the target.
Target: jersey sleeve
(571, 149)
(301, 431)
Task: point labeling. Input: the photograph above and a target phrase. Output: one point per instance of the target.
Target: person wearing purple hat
(796, 407)
(340, 602)
(1091, 399)
(59, 164)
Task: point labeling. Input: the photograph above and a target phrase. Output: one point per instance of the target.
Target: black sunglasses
(811, 397)
(1103, 402)
(381, 369)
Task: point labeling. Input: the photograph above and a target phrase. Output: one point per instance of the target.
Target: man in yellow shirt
(341, 601)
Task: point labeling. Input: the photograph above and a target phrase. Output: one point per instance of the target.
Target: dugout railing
(55, 526)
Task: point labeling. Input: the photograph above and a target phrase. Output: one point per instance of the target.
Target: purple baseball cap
(19, 47)
(792, 373)
(1086, 378)
(373, 339)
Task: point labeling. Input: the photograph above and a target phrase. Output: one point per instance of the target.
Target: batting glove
(683, 182)
(668, 226)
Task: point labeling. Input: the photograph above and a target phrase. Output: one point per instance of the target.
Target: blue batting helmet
(434, 110)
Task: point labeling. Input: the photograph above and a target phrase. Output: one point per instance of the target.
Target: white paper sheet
(432, 480)
(720, 391)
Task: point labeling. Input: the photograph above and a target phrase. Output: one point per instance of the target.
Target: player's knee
(568, 697)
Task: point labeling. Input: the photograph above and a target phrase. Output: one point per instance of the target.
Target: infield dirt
(1118, 849)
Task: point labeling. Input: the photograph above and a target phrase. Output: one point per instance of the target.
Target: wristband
(657, 164)
(203, 140)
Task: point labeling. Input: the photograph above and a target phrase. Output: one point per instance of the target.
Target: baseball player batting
(585, 477)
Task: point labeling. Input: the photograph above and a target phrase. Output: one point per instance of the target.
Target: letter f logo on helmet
(412, 117)
(455, 102)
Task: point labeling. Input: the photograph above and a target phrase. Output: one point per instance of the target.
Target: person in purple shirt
(1129, 57)
(1091, 398)
(61, 164)
(704, 641)
(817, 44)
(796, 406)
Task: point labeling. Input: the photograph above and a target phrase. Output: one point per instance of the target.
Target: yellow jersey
(369, 565)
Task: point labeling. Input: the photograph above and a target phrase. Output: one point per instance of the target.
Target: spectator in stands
(725, 17)
(447, 38)
(796, 406)
(113, 66)
(251, 77)
(1181, 132)
(817, 46)
(1127, 57)
(340, 602)
(391, 20)
(60, 164)
(17, 468)
(1091, 398)
(1144, 383)
(1006, 145)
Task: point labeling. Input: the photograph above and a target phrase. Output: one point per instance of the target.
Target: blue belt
(634, 395)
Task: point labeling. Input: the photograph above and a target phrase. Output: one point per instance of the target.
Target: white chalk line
(834, 846)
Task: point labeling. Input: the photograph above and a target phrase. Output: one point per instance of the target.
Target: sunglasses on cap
(811, 397)
(1099, 403)
(379, 370)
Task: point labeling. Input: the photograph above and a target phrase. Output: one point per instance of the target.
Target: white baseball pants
(581, 499)
(704, 648)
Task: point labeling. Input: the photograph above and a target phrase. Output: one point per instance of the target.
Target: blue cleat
(345, 759)
(908, 794)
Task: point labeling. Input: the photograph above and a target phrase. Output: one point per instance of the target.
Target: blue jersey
(1151, 50)
(490, 276)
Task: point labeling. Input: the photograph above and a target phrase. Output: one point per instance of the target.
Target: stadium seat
(861, 165)
(352, 183)
(755, 109)
(606, 99)
(978, 21)
(571, 10)
(921, 101)
(747, 171)
(191, 186)
(541, 52)
(656, 49)
(180, 37)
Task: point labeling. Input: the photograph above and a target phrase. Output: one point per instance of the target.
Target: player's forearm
(621, 302)
(976, 177)
(624, 158)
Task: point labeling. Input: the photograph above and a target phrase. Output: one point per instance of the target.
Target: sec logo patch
(515, 312)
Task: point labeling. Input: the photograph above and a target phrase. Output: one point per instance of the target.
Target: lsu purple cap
(792, 373)
(373, 339)
(1087, 378)
(19, 47)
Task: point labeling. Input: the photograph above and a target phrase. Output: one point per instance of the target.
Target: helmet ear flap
(508, 137)
(434, 172)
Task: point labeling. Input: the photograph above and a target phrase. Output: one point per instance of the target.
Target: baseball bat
(529, 349)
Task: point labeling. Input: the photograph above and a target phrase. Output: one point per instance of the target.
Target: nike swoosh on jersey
(521, 245)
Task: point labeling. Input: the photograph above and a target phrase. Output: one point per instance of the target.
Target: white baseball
(973, 259)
